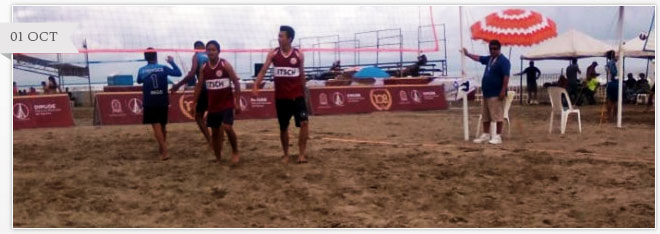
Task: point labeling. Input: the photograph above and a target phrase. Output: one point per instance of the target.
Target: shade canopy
(634, 48)
(569, 45)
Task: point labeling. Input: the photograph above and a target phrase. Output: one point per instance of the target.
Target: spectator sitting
(15, 89)
(71, 98)
(44, 87)
(629, 89)
(334, 71)
(642, 85)
(631, 82)
(33, 91)
(412, 70)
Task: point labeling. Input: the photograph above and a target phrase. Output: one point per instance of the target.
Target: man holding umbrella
(494, 85)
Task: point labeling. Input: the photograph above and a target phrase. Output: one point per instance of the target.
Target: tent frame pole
(620, 68)
(521, 84)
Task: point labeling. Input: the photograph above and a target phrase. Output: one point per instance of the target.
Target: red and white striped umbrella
(514, 27)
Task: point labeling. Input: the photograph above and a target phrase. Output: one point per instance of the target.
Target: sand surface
(389, 169)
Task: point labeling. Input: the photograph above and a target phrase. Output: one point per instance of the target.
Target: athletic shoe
(497, 139)
(482, 139)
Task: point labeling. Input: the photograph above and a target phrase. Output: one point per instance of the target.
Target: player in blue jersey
(153, 78)
(198, 59)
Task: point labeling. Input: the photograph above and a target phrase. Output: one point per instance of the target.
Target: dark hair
(610, 54)
(630, 74)
(531, 62)
(421, 60)
(150, 55)
(642, 75)
(573, 61)
(289, 31)
(43, 83)
(494, 43)
(215, 43)
(198, 44)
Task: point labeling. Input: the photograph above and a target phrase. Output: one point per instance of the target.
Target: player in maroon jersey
(289, 77)
(218, 75)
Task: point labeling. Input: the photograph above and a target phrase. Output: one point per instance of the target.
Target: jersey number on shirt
(154, 81)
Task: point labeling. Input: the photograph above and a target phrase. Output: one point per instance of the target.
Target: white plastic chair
(507, 106)
(642, 98)
(555, 94)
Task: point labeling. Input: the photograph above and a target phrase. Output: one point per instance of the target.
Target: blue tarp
(371, 72)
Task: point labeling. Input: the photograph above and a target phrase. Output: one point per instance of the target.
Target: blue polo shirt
(493, 79)
(611, 65)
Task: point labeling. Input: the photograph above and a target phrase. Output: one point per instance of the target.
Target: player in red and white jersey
(289, 77)
(223, 99)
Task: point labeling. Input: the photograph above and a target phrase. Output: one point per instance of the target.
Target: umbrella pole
(466, 125)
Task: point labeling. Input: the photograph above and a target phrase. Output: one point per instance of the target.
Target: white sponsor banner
(217, 84)
(37, 38)
(286, 72)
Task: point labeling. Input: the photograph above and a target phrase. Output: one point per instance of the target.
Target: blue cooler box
(120, 80)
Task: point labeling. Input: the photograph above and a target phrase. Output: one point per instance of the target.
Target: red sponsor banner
(42, 111)
(365, 99)
(126, 107)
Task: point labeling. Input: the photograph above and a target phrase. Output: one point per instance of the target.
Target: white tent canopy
(571, 44)
(650, 41)
(634, 48)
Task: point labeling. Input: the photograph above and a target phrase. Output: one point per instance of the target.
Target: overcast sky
(253, 27)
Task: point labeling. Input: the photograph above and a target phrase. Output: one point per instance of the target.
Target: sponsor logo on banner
(323, 99)
(216, 84)
(258, 102)
(354, 97)
(338, 98)
(135, 106)
(45, 109)
(243, 103)
(430, 95)
(115, 105)
(21, 111)
(286, 72)
(381, 99)
(416, 96)
(185, 105)
(403, 96)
